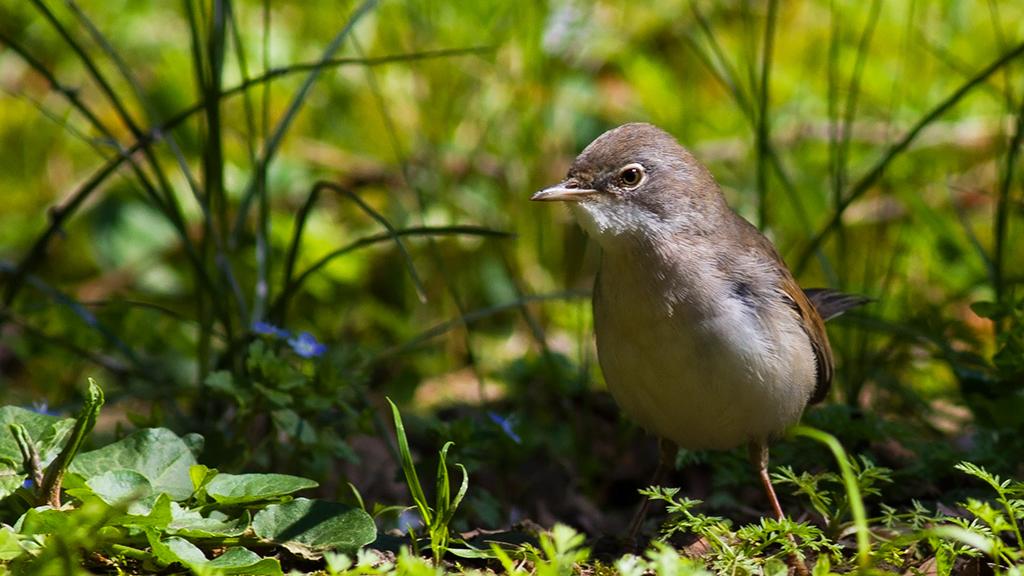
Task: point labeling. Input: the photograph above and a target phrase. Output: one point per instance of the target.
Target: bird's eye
(631, 175)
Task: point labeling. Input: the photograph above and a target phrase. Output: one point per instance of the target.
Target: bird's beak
(568, 191)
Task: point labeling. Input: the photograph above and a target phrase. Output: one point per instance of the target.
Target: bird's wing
(831, 303)
(813, 306)
(815, 328)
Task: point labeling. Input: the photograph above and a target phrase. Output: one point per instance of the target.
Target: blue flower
(268, 329)
(41, 407)
(506, 425)
(305, 345)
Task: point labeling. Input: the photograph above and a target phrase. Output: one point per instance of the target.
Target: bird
(704, 337)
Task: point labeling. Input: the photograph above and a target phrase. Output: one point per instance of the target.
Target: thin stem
(1002, 214)
(856, 503)
(875, 173)
(762, 116)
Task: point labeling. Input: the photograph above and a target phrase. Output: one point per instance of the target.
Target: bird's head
(636, 180)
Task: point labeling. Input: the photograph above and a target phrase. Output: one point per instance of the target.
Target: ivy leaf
(308, 527)
(233, 489)
(234, 560)
(156, 453)
(188, 522)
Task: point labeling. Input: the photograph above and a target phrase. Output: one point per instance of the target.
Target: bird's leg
(759, 458)
(667, 451)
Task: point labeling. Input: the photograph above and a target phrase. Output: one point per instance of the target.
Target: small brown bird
(704, 337)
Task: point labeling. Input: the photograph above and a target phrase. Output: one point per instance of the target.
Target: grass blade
(856, 503)
(875, 173)
(471, 317)
(300, 222)
(409, 469)
(298, 99)
(291, 286)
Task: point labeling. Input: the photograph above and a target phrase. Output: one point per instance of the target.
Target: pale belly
(702, 380)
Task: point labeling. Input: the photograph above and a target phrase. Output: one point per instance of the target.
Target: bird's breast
(696, 358)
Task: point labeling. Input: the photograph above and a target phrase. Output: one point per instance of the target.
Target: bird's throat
(618, 227)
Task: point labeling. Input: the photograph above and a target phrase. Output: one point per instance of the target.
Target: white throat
(611, 226)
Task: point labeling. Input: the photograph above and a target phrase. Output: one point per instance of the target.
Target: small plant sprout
(438, 519)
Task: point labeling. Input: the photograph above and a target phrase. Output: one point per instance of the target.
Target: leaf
(47, 432)
(12, 476)
(143, 513)
(174, 549)
(156, 453)
(450, 512)
(201, 476)
(195, 443)
(295, 427)
(238, 560)
(223, 383)
(967, 537)
(46, 520)
(409, 468)
(275, 397)
(775, 567)
(148, 512)
(188, 522)
(308, 527)
(120, 486)
(245, 488)
(10, 546)
(235, 560)
(49, 491)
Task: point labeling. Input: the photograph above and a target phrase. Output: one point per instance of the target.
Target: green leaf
(295, 427)
(156, 453)
(222, 383)
(454, 505)
(12, 476)
(973, 539)
(147, 512)
(47, 432)
(10, 544)
(195, 443)
(158, 513)
(410, 470)
(234, 560)
(175, 549)
(46, 520)
(238, 560)
(308, 527)
(120, 486)
(441, 485)
(775, 567)
(189, 522)
(201, 476)
(126, 489)
(245, 488)
(276, 398)
(49, 491)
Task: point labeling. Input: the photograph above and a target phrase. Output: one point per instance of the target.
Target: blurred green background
(159, 166)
